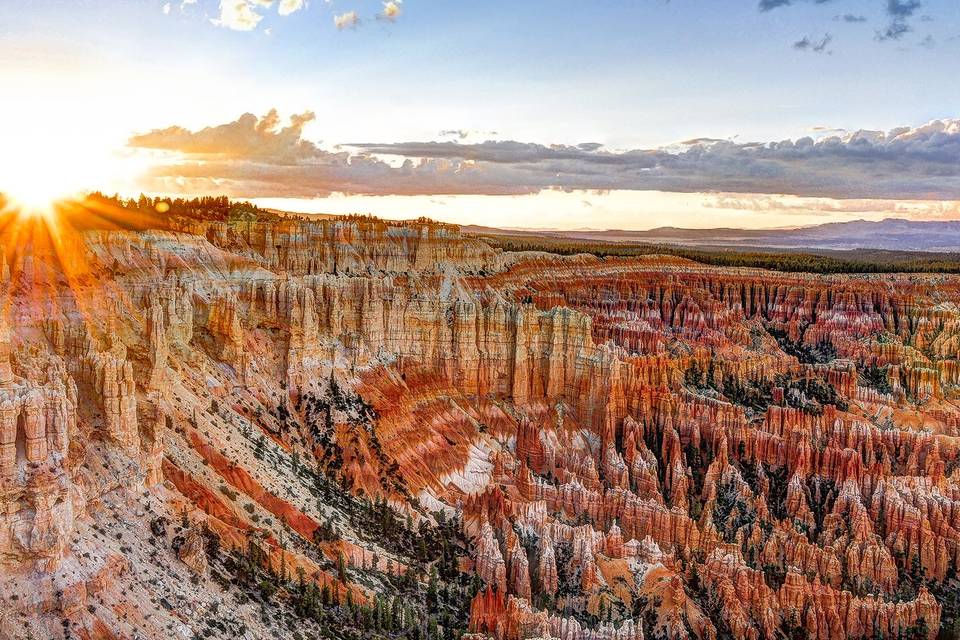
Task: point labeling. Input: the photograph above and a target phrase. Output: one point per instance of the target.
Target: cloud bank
(262, 157)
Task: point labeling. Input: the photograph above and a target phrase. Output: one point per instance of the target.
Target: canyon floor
(258, 427)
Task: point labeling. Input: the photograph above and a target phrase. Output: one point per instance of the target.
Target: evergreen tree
(342, 568)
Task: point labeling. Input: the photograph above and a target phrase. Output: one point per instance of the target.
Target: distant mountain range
(890, 233)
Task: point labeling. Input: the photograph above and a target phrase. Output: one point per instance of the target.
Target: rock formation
(327, 412)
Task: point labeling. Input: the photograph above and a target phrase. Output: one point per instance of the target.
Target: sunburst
(48, 261)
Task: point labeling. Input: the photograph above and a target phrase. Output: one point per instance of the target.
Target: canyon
(269, 427)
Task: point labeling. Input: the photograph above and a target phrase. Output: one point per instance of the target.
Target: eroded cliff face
(616, 449)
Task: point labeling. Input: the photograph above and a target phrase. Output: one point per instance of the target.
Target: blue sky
(627, 75)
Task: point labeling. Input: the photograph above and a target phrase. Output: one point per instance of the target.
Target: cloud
(768, 5)
(694, 141)
(391, 9)
(166, 9)
(899, 12)
(816, 46)
(290, 6)
(245, 15)
(902, 9)
(894, 31)
(260, 157)
(793, 205)
(347, 20)
(350, 19)
(241, 15)
(247, 137)
(464, 134)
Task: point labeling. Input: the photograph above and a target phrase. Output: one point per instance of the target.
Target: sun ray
(52, 270)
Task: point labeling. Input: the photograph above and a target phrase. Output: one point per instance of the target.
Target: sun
(37, 173)
(33, 184)
(34, 200)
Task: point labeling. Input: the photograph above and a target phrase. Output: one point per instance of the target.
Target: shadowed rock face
(625, 448)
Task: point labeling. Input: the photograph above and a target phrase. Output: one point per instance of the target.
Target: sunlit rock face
(628, 448)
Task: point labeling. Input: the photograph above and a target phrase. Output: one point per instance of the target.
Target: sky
(607, 114)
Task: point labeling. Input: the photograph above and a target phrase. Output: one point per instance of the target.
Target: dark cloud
(816, 46)
(899, 11)
(899, 14)
(256, 157)
(894, 31)
(902, 9)
(767, 5)
(497, 152)
(694, 141)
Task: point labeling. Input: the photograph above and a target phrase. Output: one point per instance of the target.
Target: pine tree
(342, 568)
(432, 591)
